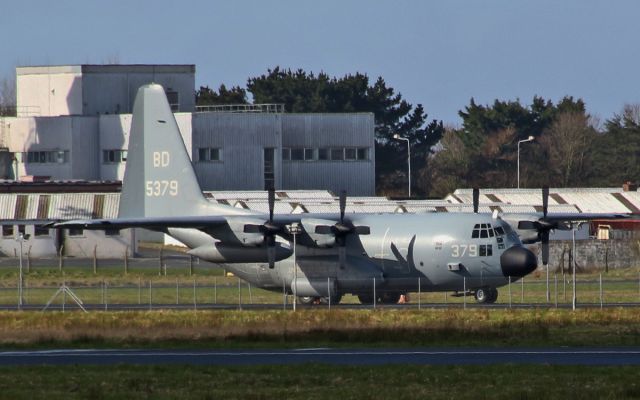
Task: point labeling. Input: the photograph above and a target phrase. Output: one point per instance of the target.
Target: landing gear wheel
(365, 298)
(390, 298)
(306, 300)
(493, 295)
(335, 299)
(486, 295)
(482, 295)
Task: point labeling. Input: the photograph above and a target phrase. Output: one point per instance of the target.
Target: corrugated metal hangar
(73, 122)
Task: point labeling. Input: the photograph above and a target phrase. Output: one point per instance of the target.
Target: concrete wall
(49, 91)
(111, 89)
(594, 255)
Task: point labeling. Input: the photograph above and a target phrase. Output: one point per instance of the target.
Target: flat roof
(105, 68)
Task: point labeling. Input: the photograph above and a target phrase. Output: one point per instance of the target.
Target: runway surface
(451, 356)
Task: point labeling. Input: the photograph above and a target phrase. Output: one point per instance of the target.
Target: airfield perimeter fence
(186, 283)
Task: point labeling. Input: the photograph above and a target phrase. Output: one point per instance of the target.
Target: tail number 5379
(161, 188)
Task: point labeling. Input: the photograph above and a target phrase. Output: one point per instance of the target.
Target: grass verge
(320, 382)
(337, 328)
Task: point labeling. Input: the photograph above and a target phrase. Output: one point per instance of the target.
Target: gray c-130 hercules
(381, 255)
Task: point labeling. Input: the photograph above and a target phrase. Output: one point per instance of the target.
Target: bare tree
(567, 142)
(7, 96)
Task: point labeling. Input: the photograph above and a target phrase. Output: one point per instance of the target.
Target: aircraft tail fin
(159, 179)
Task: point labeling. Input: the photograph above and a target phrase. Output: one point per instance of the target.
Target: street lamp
(529, 139)
(398, 137)
(294, 230)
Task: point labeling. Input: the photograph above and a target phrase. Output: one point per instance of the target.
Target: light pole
(294, 230)
(529, 139)
(398, 137)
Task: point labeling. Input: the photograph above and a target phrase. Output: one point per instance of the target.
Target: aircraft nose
(517, 262)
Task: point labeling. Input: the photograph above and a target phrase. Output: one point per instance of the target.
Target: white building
(73, 122)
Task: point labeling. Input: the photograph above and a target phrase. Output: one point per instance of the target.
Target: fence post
(509, 291)
(464, 292)
(160, 263)
(106, 296)
(522, 295)
(601, 294)
(190, 265)
(126, 260)
(177, 292)
(29, 260)
(95, 259)
(250, 295)
(329, 292)
(239, 295)
(195, 299)
(150, 294)
(284, 296)
(60, 258)
(556, 290)
(374, 292)
(139, 290)
(419, 293)
(102, 291)
(215, 290)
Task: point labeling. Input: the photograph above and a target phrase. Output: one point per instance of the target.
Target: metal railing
(242, 108)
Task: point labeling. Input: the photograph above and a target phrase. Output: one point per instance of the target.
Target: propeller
(269, 230)
(476, 199)
(542, 225)
(341, 229)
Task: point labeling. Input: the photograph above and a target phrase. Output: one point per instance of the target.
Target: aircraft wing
(198, 222)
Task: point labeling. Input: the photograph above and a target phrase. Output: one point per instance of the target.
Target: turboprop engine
(224, 253)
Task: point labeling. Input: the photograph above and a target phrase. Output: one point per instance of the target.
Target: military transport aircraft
(377, 257)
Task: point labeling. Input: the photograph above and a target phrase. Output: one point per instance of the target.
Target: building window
(44, 157)
(323, 154)
(174, 99)
(297, 154)
(286, 153)
(209, 154)
(39, 230)
(7, 230)
(309, 154)
(76, 232)
(114, 156)
(337, 154)
(350, 154)
(363, 153)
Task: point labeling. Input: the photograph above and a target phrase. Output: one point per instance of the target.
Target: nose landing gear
(487, 295)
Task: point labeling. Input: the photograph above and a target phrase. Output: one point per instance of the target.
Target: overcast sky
(438, 53)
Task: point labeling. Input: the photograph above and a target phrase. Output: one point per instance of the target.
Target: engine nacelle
(305, 287)
(317, 239)
(224, 253)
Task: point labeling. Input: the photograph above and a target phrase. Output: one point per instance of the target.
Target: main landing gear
(310, 300)
(487, 295)
(384, 298)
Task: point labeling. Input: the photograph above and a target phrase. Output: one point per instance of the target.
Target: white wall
(49, 91)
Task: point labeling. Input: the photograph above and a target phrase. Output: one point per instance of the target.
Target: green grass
(336, 328)
(320, 382)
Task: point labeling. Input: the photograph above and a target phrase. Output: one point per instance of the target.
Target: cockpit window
(499, 231)
(483, 231)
